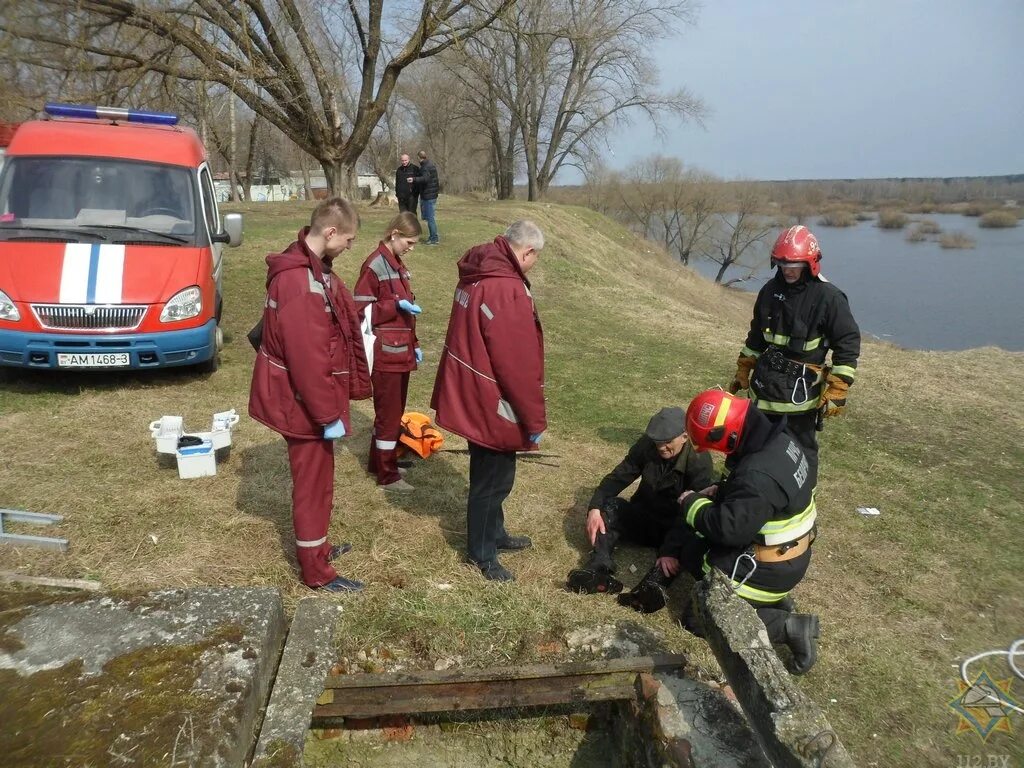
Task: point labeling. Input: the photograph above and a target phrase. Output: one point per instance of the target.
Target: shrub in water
(892, 220)
(999, 219)
(956, 240)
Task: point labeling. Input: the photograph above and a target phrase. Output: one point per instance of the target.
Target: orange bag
(419, 435)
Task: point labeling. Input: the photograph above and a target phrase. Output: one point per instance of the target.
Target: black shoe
(514, 543)
(801, 636)
(338, 551)
(591, 582)
(495, 571)
(341, 584)
(645, 597)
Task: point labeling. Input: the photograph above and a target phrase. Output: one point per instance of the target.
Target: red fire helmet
(714, 420)
(798, 244)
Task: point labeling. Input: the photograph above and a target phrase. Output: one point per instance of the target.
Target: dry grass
(902, 597)
(956, 240)
(999, 219)
(840, 217)
(892, 219)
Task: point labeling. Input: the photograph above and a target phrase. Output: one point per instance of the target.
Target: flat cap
(667, 424)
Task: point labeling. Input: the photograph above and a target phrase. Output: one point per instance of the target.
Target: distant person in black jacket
(666, 465)
(405, 185)
(428, 186)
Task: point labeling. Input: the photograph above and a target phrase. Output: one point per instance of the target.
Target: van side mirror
(232, 234)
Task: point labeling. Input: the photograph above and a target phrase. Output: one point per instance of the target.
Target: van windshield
(78, 194)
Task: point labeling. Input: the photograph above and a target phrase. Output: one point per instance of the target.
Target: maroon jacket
(490, 379)
(311, 361)
(383, 282)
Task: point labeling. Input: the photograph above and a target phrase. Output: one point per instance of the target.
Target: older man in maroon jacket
(490, 383)
(310, 364)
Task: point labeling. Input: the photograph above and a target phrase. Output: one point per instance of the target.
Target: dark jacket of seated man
(667, 466)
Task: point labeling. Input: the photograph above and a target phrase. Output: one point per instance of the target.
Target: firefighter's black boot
(801, 637)
(650, 594)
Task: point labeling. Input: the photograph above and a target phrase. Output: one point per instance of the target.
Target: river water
(920, 295)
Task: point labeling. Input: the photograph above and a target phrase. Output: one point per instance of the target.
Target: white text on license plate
(101, 360)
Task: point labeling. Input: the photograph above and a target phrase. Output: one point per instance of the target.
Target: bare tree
(740, 236)
(284, 59)
(570, 70)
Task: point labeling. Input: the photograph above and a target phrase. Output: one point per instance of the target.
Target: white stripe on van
(74, 274)
(110, 275)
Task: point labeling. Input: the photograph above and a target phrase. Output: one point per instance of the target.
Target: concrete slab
(308, 656)
(792, 729)
(173, 677)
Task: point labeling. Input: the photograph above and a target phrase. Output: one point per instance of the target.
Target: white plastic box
(166, 432)
(197, 460)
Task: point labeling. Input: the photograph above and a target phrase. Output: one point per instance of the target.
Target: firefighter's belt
(780, 553)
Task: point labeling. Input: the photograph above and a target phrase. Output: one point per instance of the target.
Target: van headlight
(7, 309)
(183, 305)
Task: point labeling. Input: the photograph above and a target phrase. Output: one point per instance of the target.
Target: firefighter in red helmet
(799, 317)
(756, 525)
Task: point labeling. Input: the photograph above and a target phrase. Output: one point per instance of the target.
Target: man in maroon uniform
(310, 364)
(490, 383)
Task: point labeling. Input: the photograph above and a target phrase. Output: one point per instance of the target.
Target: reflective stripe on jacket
(383, 282)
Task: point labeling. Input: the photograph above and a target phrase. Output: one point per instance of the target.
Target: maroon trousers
(312, 465)
(389, 395)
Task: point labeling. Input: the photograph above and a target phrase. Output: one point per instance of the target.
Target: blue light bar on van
(110, 113)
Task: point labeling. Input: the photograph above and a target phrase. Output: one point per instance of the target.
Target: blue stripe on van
(94, 268)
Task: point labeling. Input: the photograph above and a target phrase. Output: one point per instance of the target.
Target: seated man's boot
(650, 594)
(801, 637)
(593, 580)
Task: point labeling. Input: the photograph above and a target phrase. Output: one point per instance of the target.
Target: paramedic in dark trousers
(383, 288)
(666, 465)
(757, 525)
(309, 366)
(490, 383)
(799, 317)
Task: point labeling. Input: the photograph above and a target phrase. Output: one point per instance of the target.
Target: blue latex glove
(334, 430)
(535, 439)
(419, 355)
(407, 306)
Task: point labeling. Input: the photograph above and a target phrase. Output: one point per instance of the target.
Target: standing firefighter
(757, 525)
(309, 366)
(383, 289)
(798, 317)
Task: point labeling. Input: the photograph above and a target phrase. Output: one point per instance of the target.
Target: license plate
(98, 360)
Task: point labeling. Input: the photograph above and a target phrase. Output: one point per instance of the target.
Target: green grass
(931, 439)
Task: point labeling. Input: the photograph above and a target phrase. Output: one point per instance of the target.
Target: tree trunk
(233, 149)
(342, 179)
(721, 270)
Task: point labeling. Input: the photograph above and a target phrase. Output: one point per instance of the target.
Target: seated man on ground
(667, 466)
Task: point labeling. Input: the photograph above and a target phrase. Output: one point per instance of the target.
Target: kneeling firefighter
(758, 524)
(798, 317)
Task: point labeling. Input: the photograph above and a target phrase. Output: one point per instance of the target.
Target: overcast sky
(845, 89)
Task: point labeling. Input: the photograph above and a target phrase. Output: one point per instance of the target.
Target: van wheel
(211, 365)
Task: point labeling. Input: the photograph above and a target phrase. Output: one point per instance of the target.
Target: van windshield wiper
(64, 234)
(144, 235)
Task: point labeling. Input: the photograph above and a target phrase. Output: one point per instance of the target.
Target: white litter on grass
(442, 586)
(869, 511)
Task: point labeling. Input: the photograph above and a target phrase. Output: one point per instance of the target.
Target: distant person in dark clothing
(428, 187)
(405, 185)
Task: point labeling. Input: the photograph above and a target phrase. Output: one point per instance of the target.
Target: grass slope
(931, 439)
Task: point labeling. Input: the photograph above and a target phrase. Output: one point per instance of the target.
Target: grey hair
(526, 234)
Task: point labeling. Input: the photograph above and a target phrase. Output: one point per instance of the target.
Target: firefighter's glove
(407, 306)
(334, 430)
(744, 365)
(419, 355)
(833, 399)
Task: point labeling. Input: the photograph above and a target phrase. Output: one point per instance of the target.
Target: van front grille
(89, 317)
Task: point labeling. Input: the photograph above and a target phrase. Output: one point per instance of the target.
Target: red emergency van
(110, 243)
